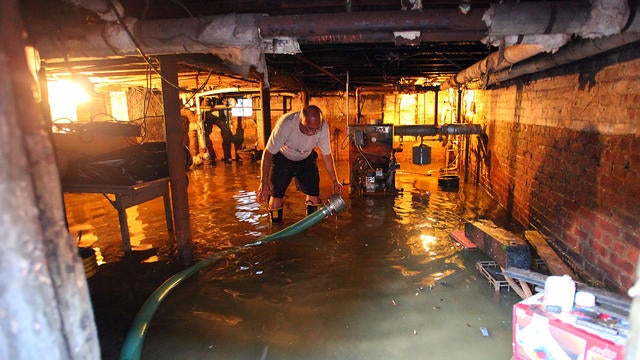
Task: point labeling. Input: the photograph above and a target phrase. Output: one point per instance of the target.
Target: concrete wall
(563, 155)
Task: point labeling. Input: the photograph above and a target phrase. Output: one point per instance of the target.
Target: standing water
(382, 280)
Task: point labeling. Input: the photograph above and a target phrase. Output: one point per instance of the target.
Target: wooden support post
(265, 99)
(175, 157)
(45, 306)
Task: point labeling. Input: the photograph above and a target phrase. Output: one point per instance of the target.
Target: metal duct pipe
(439, 20)
(219, 34)
(431, 130)
(460, 129)
(415, 130)
(388, 36)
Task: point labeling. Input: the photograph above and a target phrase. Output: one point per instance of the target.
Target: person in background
(290, 153)
(221, 122)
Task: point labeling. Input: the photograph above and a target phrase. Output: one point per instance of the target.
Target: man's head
(310, 120)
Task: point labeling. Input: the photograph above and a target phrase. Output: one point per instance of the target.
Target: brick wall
(562, 153)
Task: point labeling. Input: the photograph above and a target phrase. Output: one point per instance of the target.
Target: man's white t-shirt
(293, 143)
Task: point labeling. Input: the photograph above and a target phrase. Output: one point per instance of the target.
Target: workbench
(126, 196)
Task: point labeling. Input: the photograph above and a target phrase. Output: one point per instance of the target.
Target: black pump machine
(372, 159)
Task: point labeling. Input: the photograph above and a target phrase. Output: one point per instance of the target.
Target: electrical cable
(364, 157)
(120, 21)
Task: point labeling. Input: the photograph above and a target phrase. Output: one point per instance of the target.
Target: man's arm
(265, 177)
(331, 170)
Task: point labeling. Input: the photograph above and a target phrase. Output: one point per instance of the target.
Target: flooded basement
(382, 280)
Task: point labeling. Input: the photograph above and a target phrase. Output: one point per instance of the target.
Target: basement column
(435, 108)
(175, 157)
(265, 98)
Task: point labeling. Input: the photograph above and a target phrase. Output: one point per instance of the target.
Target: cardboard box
(538, 334)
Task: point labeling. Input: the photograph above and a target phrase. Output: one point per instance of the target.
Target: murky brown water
(383, 280)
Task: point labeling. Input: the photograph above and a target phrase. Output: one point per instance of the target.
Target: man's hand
(337, 187)
(264, 191)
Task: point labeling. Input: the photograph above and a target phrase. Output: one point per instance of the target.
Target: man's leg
(312, 203)
(308, 181)
(275, 209)
(281, 174)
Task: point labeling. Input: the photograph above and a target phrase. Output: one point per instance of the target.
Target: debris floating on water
(484, 331)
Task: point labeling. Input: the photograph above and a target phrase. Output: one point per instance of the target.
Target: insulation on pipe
(571, 53)
(512, 23)
(494, 62)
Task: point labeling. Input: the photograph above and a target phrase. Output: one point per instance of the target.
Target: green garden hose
(132, 347)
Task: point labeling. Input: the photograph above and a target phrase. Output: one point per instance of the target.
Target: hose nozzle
(335, 204)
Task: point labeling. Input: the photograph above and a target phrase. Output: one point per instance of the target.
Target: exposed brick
(607, 227)
(599, 250)
(631, 238)
(631, 254)
(568, 161)
(619, 247)
(572, 241)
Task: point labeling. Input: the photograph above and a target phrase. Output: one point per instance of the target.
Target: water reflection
(383, 280)
(136, 229)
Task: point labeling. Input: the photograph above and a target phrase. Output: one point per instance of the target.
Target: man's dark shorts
(304, 171)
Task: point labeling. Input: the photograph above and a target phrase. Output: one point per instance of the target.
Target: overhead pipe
(460, 129)
(442, 20)
(495, 61)
(132, 347)
(369, 37)
(534, 18)
(415, 130)
(572, 52)
(432, 130)
(158, 37)
(102, 8)
(439, 20)
(586, 19)
(219, 34)
(233, 38)
(509, 22)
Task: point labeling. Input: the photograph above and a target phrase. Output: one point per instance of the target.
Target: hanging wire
(146, 58)
(120, 21)
(194, 93)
